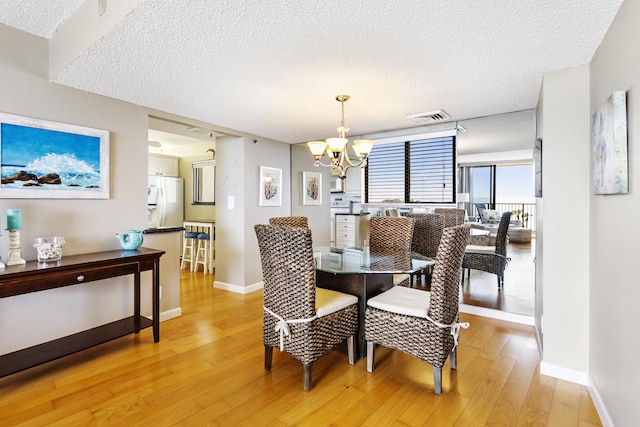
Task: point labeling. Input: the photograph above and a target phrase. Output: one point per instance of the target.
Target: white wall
(319, 216)
(238, 168)
(615, 294)
(565, 192)
(87, 225)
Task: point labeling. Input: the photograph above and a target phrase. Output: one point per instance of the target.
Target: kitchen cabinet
(353, 181)
(163, 165)
(351, 229)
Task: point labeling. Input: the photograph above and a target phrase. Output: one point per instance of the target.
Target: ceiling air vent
(428, 117)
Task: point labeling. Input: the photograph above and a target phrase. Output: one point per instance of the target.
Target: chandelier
(336, 148)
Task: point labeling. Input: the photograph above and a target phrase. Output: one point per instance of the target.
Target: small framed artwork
(270, 186)
(311, 188)
(537, 164)
(49, 160)
(610, 162)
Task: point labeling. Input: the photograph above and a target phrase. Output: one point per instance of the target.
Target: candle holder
(15, 254)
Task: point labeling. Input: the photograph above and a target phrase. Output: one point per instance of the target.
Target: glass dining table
(356, 271)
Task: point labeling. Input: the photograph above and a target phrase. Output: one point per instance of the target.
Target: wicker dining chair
(391, 234)
(427, 231)
(299, 318)
(420, 323)
(290, 221)
(452, 217)
(492, 259)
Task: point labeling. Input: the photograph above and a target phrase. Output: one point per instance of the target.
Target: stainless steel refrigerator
(165, 201)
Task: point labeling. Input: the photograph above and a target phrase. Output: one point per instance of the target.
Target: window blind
(420, 171)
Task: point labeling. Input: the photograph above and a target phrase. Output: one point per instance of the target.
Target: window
(419, 171)
(204, 178)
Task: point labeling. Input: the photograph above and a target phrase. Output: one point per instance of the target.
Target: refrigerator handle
(162, 206)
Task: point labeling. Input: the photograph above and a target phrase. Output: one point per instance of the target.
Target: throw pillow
(490, 215)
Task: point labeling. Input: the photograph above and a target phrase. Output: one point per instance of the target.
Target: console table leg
(136, 298)
(156, 300)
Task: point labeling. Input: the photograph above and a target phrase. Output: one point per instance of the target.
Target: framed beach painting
(49, 160)
(610, 161)
(270, 186)
(311, 188)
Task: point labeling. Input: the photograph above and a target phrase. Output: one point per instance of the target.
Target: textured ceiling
(273, 68)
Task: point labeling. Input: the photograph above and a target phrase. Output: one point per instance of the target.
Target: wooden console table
(73, 270)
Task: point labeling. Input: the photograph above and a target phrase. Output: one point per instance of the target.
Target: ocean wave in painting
(73, 173)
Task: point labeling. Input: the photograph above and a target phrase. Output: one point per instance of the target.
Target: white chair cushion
(328, 301)
(480, 249)
(399, 278)
(401, 300)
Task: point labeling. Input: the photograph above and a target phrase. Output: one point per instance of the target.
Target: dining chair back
(480, 207)
(290, 221)
(388, 234)
(420, 323)
(299, 318)
(427, 231)
(452, 216)
(392, 234)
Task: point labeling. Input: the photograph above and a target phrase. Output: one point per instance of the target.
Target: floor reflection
(518, 295)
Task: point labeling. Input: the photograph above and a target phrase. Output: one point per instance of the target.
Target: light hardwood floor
(207, 369)
(518, 294)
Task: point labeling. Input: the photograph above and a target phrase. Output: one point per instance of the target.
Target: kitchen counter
(167, 239)
(167, 229)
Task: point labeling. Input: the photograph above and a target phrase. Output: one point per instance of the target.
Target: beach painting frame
(311, 189)
(41, 159)
(270, 186)
(610, 158)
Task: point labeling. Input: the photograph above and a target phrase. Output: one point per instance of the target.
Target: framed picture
(311, 188)
(610, 162)
(270, 186)
(49, 160)
(537, 164)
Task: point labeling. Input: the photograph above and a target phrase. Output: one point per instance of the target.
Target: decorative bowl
(49, 248)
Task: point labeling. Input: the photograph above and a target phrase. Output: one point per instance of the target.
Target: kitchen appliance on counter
(165, 202)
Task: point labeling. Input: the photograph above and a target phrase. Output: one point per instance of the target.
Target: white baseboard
(599, 404)
(238, 289)
(582, 378)
(562, 373)
(497, 314)
(170, 314)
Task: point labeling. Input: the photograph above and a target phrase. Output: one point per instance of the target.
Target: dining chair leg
(437, 380)
(268, 356)
(453, 358)
(307, 376)
(370, 345)
(351, 341)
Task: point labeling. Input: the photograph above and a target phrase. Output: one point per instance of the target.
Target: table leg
(136, 300)
(155, 296)
(364, 286)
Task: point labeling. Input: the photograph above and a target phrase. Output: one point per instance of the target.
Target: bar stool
(202, 254)
(188, 248)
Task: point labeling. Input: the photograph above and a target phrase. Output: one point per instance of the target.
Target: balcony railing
(525, 208)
